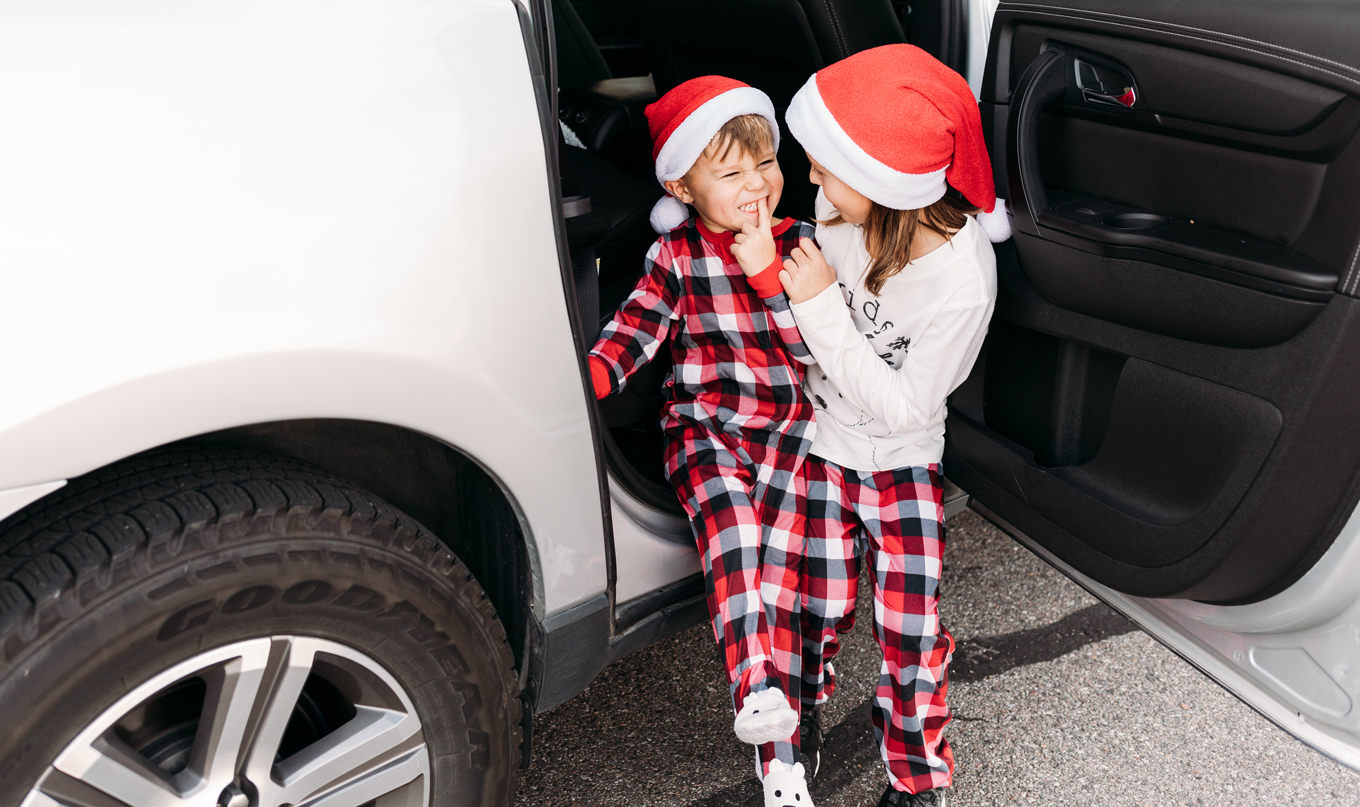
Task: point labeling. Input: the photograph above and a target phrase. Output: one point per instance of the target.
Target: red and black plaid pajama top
(737, 428)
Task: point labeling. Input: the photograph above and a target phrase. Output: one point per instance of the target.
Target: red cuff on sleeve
(599, 378)
(766, 283)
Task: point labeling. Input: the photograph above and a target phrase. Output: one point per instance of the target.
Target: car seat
(605, 112)
(579, 61)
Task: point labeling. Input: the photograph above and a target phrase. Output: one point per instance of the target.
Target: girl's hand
(753, 247)
(806, 273)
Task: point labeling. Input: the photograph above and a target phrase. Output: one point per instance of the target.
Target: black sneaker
(897, 798)
(810, 742)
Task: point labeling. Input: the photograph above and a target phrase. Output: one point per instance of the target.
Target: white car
(304, 498)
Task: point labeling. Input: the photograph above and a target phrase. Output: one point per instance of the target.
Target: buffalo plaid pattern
(750, 538)
(737, 428)
(897, 517)
(732, 353)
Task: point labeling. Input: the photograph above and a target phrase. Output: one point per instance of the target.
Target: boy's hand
(806, 273)
(753, 247)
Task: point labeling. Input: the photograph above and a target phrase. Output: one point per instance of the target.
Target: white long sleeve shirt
(886, 364)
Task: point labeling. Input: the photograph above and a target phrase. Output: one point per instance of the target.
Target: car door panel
(1097, 178)
(1148, 497)
(1176, 326)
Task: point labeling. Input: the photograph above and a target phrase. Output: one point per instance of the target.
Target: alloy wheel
(283, 721)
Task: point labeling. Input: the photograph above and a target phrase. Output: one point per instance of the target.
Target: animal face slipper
(786, 786)
(765, 717)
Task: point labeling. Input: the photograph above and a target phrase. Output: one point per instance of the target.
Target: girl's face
(853, 206)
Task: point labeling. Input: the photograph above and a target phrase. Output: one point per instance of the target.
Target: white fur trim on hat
(667, 214)
(996, 224)
(817, 131)
(688, 141)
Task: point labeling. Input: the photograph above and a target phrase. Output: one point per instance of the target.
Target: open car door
(1168, 404)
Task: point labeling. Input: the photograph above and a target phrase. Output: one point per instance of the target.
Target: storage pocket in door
(1176, 456)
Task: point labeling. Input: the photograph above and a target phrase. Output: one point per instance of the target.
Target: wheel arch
(443, 487)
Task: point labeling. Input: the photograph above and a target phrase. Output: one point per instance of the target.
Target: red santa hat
(896, 125)
(683, 123)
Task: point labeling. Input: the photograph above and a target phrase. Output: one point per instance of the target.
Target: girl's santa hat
(683, 123)
(896, 125)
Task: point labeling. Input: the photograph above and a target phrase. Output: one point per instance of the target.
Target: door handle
(1095, 82)
(1125, 99)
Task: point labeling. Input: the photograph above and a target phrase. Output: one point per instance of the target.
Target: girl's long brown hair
(888, 233)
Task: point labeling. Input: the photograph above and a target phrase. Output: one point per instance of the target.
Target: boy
(737, 425)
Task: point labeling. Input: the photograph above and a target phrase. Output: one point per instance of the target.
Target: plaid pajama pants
(745, 504)
(898, 518)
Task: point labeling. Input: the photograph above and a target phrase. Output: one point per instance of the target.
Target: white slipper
(786, 786)
(765, 717)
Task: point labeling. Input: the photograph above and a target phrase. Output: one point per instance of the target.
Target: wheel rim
(284, 721)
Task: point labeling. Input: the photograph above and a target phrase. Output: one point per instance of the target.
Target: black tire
(138, 566)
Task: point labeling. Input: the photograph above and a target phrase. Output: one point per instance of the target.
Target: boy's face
(724, 190)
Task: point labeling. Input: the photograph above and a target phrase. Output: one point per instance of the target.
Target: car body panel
(652, 549)
(15, 499)
(280, 210)
(1298, 674)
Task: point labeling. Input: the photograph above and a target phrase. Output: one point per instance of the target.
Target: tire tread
(78, 547)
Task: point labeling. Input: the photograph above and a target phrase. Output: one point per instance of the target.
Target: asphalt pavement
(1056, 700)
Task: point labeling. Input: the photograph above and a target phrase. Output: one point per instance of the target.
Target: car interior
(1170, 368)
(613, 57)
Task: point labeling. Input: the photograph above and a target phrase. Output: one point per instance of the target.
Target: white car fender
(224, 213)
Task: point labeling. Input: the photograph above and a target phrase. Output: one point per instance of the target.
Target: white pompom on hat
(682, 124)
(898, 126)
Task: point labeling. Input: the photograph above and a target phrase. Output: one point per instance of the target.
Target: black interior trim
(1268, 540)
(938, 27)
(661, 497)
(1191, 88)
(1320, 143)
(1146, 269)
(1163, 300)
(577, 59)
(1203, 98)
(1308, 39)
(1177, 455)
(1052, 396)
(1119, 231)
(1245, 122)
(1141, 235)
(1332, 236)
(1042, 83)
(1252, 194)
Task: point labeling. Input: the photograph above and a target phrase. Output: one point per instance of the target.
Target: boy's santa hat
(683, 123)
(896, 125)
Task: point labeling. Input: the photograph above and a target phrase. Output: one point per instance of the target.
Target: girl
(894, 327)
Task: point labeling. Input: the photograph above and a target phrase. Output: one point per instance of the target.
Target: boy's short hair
(750, 133)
